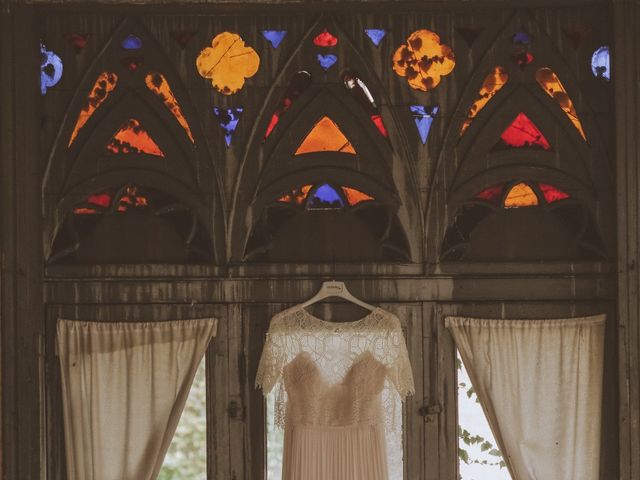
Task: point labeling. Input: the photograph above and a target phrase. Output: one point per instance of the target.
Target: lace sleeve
(399, 369)
(272, 361)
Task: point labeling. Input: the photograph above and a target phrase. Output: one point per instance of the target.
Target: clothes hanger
(336, 289)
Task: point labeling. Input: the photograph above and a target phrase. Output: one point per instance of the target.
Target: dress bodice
(355, 399)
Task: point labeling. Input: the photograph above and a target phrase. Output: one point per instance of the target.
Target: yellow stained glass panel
(492, 84)
(552, 85)
(227, 62)
(157, 83)
(521, 195)
(105, 84)
(325, 136)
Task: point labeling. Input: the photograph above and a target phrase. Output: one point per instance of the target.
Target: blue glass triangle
(523, 38)
(274, 37)
(228, 119)
(131, 42)
(325, 197)
(423, 115)
(375, 34)
(326, 61)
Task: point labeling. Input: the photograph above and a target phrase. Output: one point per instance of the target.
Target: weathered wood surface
(627, 102)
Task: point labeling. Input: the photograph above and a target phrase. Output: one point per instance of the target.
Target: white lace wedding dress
(339, 391)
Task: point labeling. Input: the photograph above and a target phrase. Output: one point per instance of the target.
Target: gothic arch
(85, 161)
(267, 164)
(466, 161)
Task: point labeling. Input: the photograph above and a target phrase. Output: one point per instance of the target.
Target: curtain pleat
(124, 386)
(540, 385)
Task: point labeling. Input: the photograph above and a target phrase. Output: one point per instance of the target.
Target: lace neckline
(338, 326)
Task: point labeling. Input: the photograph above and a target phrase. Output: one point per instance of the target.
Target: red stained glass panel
(491, 194)
(552, 194)
(523, 133)
(325, 39)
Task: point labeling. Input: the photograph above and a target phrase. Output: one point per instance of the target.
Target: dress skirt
(335, 453)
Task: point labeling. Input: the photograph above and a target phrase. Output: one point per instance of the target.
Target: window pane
(275, 442)
(478, 453)
(187, 455)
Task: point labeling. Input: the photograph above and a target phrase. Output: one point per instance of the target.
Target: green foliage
(187, 455)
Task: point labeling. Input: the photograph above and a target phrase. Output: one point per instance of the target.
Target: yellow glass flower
(227, 63)
(423, 60)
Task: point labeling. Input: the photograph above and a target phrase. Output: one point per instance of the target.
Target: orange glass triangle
(325, 136)
(355, 197)
(521, 195)
(133, 138)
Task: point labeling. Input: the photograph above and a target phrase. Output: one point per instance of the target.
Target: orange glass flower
(227, 63)
(423, 60)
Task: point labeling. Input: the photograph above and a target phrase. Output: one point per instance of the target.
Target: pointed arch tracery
(522, 131)
(132, 118)
(368, 164)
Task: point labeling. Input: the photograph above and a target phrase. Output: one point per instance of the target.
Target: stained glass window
(423, 116)
(50, 69)
(132, 63)
(522, 132)
(326, 61)
(157, 83)
(521, 195)
(105, 84)
(600, 63)
(552, 85)
(360, 92)
(492, 84)
(375, 35)
(299, 83)
(491, 194)
(78, 40)
(127, 198)
(133, 138)
(131, 42)
(227, 63)
(274, 37)
(325, 39)
(325, 196)
(423, 60)
(325, 136)
(228, 119)
(354, 197)
(552, 194)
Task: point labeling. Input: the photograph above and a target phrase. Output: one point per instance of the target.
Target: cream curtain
(124, 386)
(540, 385)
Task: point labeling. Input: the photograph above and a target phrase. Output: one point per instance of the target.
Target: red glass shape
(78, 40)
(325, 39)
(523, 133)
(491, 194)
(551, 193)
(132, 63)
(377, 120)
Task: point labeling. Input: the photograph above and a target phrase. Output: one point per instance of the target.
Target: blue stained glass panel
(274, 37)
(50, 69)
(326, 61)
(423, 115)
(600, 63)
(375, 34)
(131, 42)
(522, 37)
(228, 119)
(325, 197)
